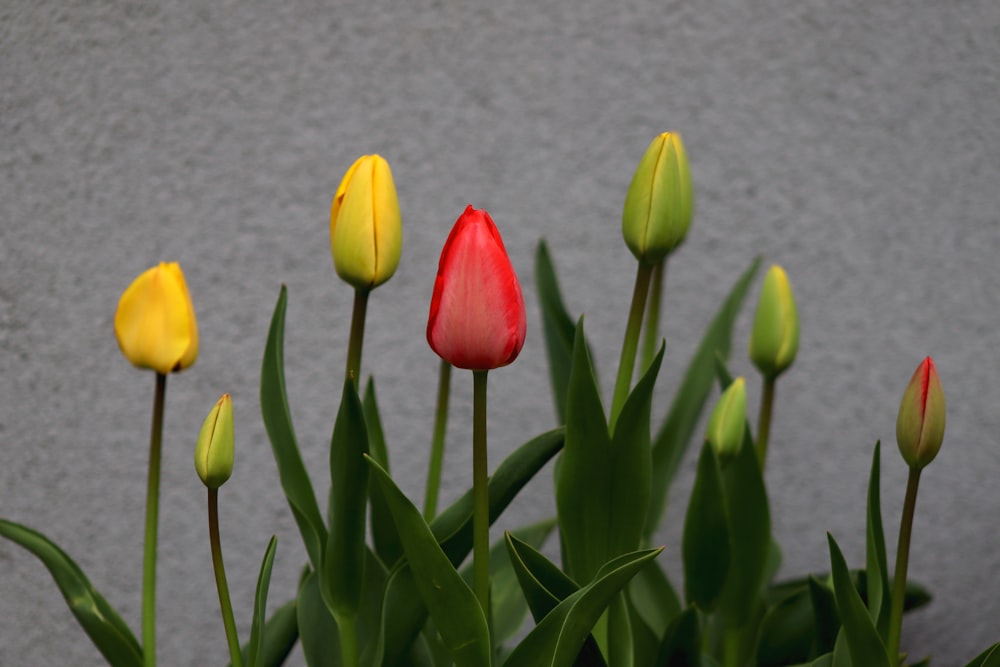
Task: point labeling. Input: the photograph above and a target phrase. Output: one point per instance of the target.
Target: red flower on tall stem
(477, 319)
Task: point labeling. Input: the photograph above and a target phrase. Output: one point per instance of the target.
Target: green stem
(437, 443)
(348, 634)
(731, 642)
(902, 560)
(651, 335)
(235, 656)
(357, 335)
(480, 493)
(631, 343)
(764, 420)
(152, 514)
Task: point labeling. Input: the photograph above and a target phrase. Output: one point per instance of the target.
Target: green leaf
(557, 639)
(544, 586)
(653, 598)
(787, 631)
(99, 620)
(749, 535)
(603, 485)
(826, 619)
(404, 611)
(278, 422)
(705, 547)
(674, 437)
(257, 625)
(988, 658)
(386, 541)
(344, 556)
(317, 629)
(863, 641)
(877, 568)
(681, 645)
(558, 328)
(280, 634)
(450, 601)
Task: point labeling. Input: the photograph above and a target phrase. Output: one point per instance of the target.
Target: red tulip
(477, 319)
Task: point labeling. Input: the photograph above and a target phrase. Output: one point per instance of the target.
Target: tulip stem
(347, 630)
(152, 515)
(480, 493)
(631, 343)
(902, 560)
(235, 656)
(651, 336)
(437, 443)
(764, 420)
(357, 335)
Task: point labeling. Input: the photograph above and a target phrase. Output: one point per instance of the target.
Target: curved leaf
(280, 634)
(705, 547)
(386, 541)
(863, 641)
(876, 565)
(681, 646)
(278, 423)
(99, 620)
(257, 626)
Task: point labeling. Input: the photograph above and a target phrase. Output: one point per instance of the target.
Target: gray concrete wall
(854, 142)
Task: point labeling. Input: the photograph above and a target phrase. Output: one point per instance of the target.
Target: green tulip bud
(727, 424)
(659, 202)
(920, 424)
(213, 455)
(775, 337)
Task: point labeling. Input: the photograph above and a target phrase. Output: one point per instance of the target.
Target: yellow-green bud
(775, 337)
(920, 424)
(213, 455)
(659, 202)
(365, 232)
(727, 424)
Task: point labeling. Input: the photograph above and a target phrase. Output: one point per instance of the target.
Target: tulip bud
(155, 324)
(213, 455)
(477, 319)
(365, 233)
(727, 424)
(775, 337)
(659, 203)
(920, 424)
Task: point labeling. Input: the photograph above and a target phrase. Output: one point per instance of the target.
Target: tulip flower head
(659, 203)
(727, 424)
(155, 324)
(213, 455)
(477, 318)
(365, 232)
(774, 340)
(920, 424)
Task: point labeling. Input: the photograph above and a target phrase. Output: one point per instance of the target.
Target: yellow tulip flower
(214, 452)
(155, 324)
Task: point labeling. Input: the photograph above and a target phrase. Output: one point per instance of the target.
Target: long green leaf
(603, 485)
(404, 611)
(281, 633)
(96, 616)
(258, 624)
(863, 641)
(674, 437)
(558, 328)
(705, 547)
(826, 618)
(278, 422)
(342, 574)
(386, 541)
(317, 629)
(988, 658)
(450, 601)
(787, 632)
(681, 646)
(556, 641)
(877, 568)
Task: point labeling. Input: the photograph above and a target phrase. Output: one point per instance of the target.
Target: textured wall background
(855, 142)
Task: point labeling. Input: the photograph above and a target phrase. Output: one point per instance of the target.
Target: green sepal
(705, 547)
(449, 600)
(557, 639)
(863, 641)
(384, 536)
(558, 328)
(603, 485)
(258, 626)
(681, 645)
(110, 634)
(674, 437)
(278, 423)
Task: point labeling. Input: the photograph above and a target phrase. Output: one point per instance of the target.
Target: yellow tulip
(365, 231)
(727, 424)
(659, 203)
(213, 455)
(155, 324)
(774, 340)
